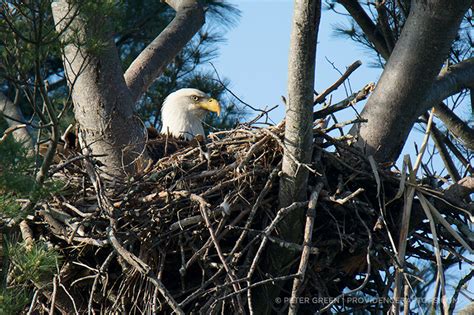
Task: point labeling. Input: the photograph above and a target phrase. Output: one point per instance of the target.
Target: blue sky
(255, 56)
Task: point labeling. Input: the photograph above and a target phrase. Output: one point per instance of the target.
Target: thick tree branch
(152, 60)
(456, 125)
(384, 24)
(367, 25)
(460, 190)
(9, 109)
(408, 77)
(457, 77)
(452, 81)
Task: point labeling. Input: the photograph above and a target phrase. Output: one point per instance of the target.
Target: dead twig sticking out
(10, 130)
(203, 205)
(458, 289)
(266, 233)
(53, 295)
(439, 262)
(145, 270)
(27, 235)
(318, 99)
(307, 238)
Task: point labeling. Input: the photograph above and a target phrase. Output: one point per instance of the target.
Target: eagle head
(183, 111)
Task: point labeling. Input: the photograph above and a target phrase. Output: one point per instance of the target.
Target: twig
(402, 245)
(307, 239)
(232, 93)
(27, 235)
(342, 201)
(145, 270)
(256, 284)
(203, 205)
(53, 296)
(404, 229)
(424, 143)
(340, 125)
(458, 289)
(69, 296)
(439, 142)
(293, 246)
(33, 302)
(96, 278)
(350, 101)
(322, 97)
(439, 262)
(10, 130)
(254, 209)
(266, 233)
(448, 227)
(292, 157)
(64, 164)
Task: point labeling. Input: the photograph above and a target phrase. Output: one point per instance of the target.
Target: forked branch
(152, 60)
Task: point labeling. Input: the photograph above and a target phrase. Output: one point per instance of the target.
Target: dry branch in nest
(190, 234)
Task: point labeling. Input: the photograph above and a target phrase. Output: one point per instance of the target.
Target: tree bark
(299, 109)
(298, 137)
(456, 78)
(103, 105)
(367, 25)
(408, 76)
(152, 60)
(456, 125)
(14, 117)
(103, 98)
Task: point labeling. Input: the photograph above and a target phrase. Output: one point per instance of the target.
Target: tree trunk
(103, 98)
(408, 76)
(298, 134)
(299, 108)
(103, 105)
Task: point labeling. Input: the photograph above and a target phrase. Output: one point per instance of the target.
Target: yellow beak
(211, 105)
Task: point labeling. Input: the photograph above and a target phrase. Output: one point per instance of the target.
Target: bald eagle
(183, 111)
(182, 114)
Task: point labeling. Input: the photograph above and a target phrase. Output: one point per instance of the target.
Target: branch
(456, 125)
(407, 80)
(367, 25)
(322, 97)
(152, 60)
(307, 239)
(350, 101)
(452, 81)
(20, 134)
(439, 141)
(460, 190)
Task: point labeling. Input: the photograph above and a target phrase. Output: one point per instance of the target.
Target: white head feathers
(183, 111)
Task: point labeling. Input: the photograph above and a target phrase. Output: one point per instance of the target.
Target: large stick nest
(195, 231)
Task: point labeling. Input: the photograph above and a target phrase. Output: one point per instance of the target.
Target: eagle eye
(195, 97)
